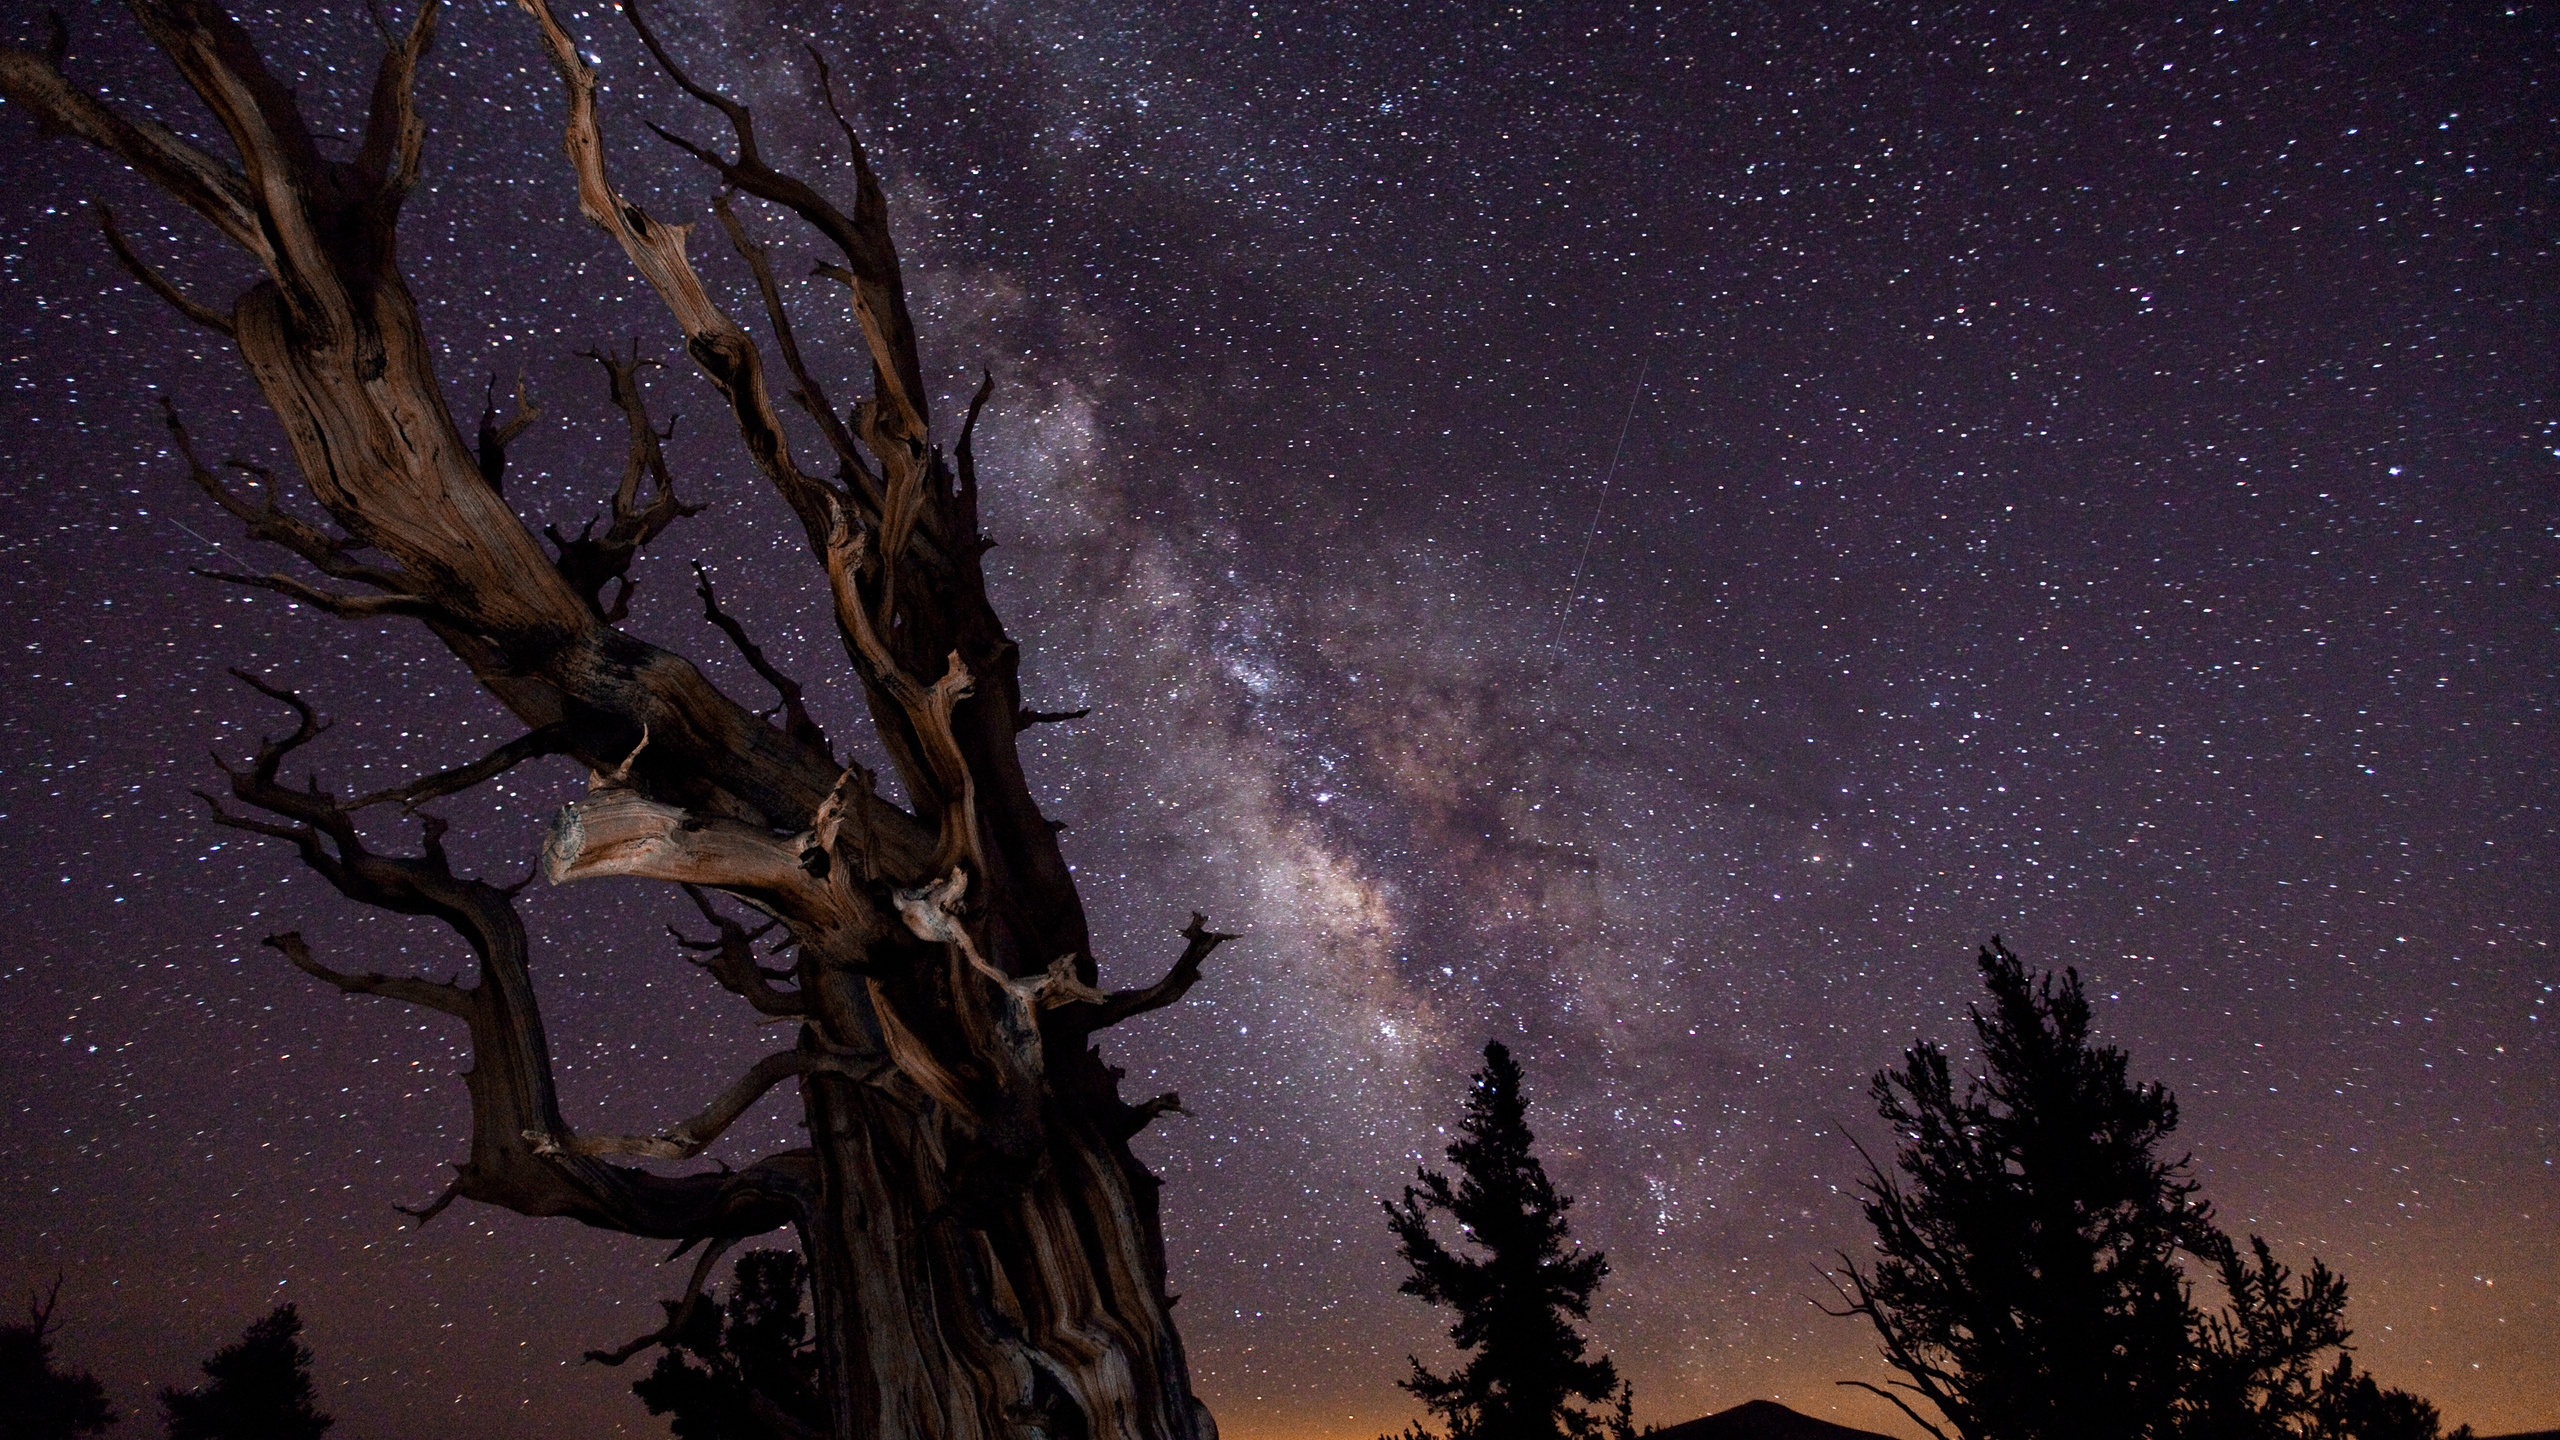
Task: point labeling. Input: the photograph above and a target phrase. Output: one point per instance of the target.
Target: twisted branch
(733, 961)
(158, 284)
(589, 563)
(491, 445)
(689, 1137)
(795, 712)
(510, 1080)
(809, 396)
(345, 607)
(1177, 982)
(677, 1313)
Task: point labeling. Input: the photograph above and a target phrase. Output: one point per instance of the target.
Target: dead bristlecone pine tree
(984, 1252)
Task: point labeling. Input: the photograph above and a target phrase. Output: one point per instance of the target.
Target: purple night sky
(2090, 474)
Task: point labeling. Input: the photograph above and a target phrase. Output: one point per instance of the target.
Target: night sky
(2089, 474)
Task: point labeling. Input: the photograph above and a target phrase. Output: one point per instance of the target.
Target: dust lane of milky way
(2092, 480)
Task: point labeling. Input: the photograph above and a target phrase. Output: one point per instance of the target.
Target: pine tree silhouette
(38, 1401)
(745, 1370)
(1517, 1305)
(258, 1389)
(2350, 1406)
(2027, 1279)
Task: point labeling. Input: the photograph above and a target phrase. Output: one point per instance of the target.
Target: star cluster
(1642, 531)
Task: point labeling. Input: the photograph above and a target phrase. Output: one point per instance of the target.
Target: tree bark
(985, 1250)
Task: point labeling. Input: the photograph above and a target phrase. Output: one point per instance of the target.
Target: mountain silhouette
(1761, 1420)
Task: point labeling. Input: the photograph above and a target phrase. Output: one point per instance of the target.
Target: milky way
(2089, 479)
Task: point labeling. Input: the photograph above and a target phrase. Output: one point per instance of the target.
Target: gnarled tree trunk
(985, 1250)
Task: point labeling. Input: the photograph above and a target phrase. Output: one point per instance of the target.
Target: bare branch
(656, 250)
(552, 739)
(40, 1312)
(965, 454)
(299, 834)
(677, 1313)
(1024, 718)
(434, 994)
(879, 294)
(394, 135)
(210, 187)
(622, 773)
(589, 563)
(433, 1208)
(1858, 1299)
(345, 607)
(1898, 1403)
(158, 284)
(690, 1137)
(929, 756)
(810, 396)
(1146, 1112)
(795, 712)
(491, 444)
(1177, 982)
(733, 961)
(308, 724)
(327, 553)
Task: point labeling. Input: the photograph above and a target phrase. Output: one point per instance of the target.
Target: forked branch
(590, 562)
(733, 961)
(879, 293)
(1177, 982)
(158, 284)
(490, 446)
(510, 1078)
(795, 711)
(678, 1312)
(271, 522)
(657, 251)
(690, 1137)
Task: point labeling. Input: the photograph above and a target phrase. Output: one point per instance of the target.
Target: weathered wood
(986, 1255)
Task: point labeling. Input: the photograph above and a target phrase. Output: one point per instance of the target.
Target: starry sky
(1647, 532)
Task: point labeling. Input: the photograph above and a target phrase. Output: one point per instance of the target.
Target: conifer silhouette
(1517, 1305)
(746, 1370)
(257, 1389)
(37, 1400)
(2027, 1281)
